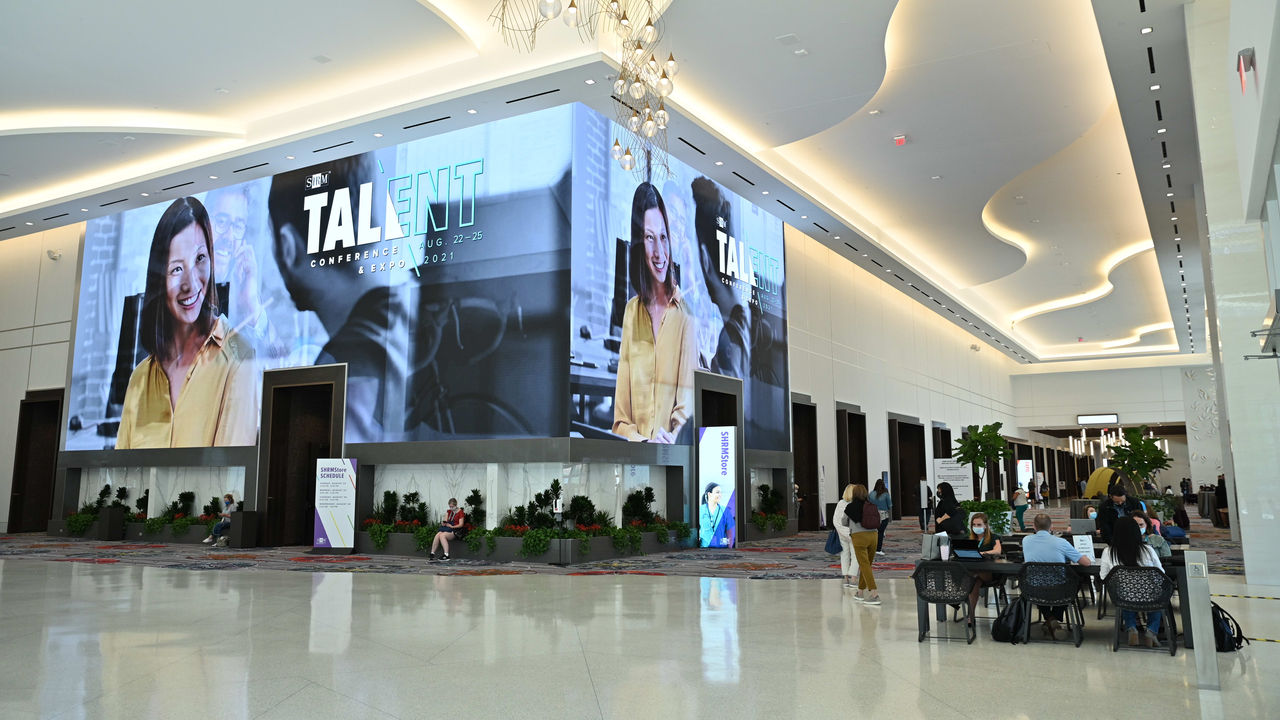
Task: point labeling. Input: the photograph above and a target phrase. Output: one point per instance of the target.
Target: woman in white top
(1128, 549)
(841, 523)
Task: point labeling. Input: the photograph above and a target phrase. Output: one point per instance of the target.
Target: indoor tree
(982, 446)
(1139, 457)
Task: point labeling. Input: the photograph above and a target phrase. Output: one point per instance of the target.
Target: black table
(1174, 566)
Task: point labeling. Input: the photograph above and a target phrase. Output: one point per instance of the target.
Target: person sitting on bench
(219, 535)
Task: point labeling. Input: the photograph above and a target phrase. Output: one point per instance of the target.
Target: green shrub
(994, 509)
(682, 529)
(771, 501)
(536, 542)
(412, 508)
(78, 523)
(179, 526)
(637, 507)
(380, 534)
(777, 522)
(581, 510)
(626, 539)
(154, 525)
(143, 501)
(424, 535)
(475, 508)
(475, 539)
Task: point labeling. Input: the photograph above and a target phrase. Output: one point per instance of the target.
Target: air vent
(877, 264)
(427, 122)
(816, 224)
(1142, 5)
(1179, 247)
(1159, 113)
(1172, 209)
(535, 95)
(1164, 150)
(8, 228)
(250, 167)
(1168, 179)
(333, 146)
(1151, 60)
(1175, 229)
(851, 247)
(175, 187)
(735, 172)
(695, 147)
(900, 278)
(54, 217)
(113, 202)
(1179, 264)
(786, 205)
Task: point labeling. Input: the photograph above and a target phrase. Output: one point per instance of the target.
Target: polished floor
(81, 640)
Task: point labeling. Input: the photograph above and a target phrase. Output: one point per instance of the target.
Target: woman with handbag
(864, 525)
(840, 525)
(884, 505)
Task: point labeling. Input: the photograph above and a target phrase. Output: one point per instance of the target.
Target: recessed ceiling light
(377, 134)
(1174, 218)
(288, 157)
(213, 177)
(1184, 284)
(84, 209)
(888, 269)
(1168, 194)
(764, 192)
(1161, 131)
(1166, 166)
(221, 90)
(1155, 87)
(719, 163)
(590, 81)
(864, 254)
(1179, 257)
(1177, 239)
(800, 53)
(1145, 31)
(837, 237)
(146, 194)
(936, 177)
(471, 111)
(1035, 220)
(29, 223)
(804, 217)
(873, 112)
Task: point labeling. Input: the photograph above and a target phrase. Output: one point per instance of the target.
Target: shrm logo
(318, 180)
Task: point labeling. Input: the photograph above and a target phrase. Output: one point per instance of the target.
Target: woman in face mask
(1152, 538)
(989, 546)
(219, 534)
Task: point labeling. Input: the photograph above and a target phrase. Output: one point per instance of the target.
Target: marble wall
(165, 484)
(505, 485)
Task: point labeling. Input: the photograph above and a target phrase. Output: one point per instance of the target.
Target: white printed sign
(949, 470)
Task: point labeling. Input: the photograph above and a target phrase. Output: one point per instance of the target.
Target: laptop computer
(1083, 526)
(966, 550)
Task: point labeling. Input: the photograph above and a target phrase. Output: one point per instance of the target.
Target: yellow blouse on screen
(655, 375)
(218, 404)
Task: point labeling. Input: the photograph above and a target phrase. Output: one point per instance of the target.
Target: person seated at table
(1151, 536)
(1048, 548)
(989, 546)
(1128, 549)
(1116, 506)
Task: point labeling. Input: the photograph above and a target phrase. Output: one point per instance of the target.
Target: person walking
(884, 506)
(842, 527)
(1020, 506)
(864, 523)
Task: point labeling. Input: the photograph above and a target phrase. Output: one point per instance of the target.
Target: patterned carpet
(800, 557)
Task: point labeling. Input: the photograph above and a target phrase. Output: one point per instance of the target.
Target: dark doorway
(906, 467)
(300, 433)
(804, 449)
(718, 409)
(851, 448)
(35, 460)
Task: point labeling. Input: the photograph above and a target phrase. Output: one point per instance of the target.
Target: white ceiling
(1035, 228)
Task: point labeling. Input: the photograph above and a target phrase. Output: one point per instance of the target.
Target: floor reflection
(718, 622)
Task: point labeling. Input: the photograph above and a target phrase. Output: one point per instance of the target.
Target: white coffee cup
(946, 552)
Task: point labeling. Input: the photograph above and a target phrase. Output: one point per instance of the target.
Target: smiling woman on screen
(197, 387)
(658, 354)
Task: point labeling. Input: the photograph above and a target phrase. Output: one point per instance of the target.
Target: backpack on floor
(1011, 624)
(1227, 634)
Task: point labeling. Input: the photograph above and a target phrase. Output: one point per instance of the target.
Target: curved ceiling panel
(791, 73)
(53, 158)
(1082, 214)
(1107, 325)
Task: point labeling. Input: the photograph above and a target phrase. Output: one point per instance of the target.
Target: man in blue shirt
(1047, 548)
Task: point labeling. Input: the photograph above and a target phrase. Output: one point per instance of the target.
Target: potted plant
(982, 446)
(1140, 457)
(111, 519)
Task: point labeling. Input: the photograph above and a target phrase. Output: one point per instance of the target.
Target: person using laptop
(988, 547)
(1047, 548)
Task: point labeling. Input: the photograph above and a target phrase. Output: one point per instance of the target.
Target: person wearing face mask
(653, 398)
(989, 546)
(219, 535)
(1151, 536)
(451, 528)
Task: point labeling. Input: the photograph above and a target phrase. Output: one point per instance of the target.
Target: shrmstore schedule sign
(335, 526)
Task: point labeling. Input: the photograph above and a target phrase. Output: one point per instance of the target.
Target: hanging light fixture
(620, 85)
(664, 85)
(672, 66)
(628, 161)
(634, 123)
(661, 117)
(617, 150)
(550, 9)
(649, 127)
(637, 89)
(649, 33)
(571, 14)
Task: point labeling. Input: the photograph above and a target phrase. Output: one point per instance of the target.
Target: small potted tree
(983, 446)
(1140, 458)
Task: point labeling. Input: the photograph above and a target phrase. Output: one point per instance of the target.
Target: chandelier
(644, 81)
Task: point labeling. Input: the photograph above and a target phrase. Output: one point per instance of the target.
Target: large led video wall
(670, 275)
(477, 284)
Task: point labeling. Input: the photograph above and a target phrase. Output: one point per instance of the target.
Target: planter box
(57, 528)
(109, 525)
(651, 543)
(749, 531)
(137, 532)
